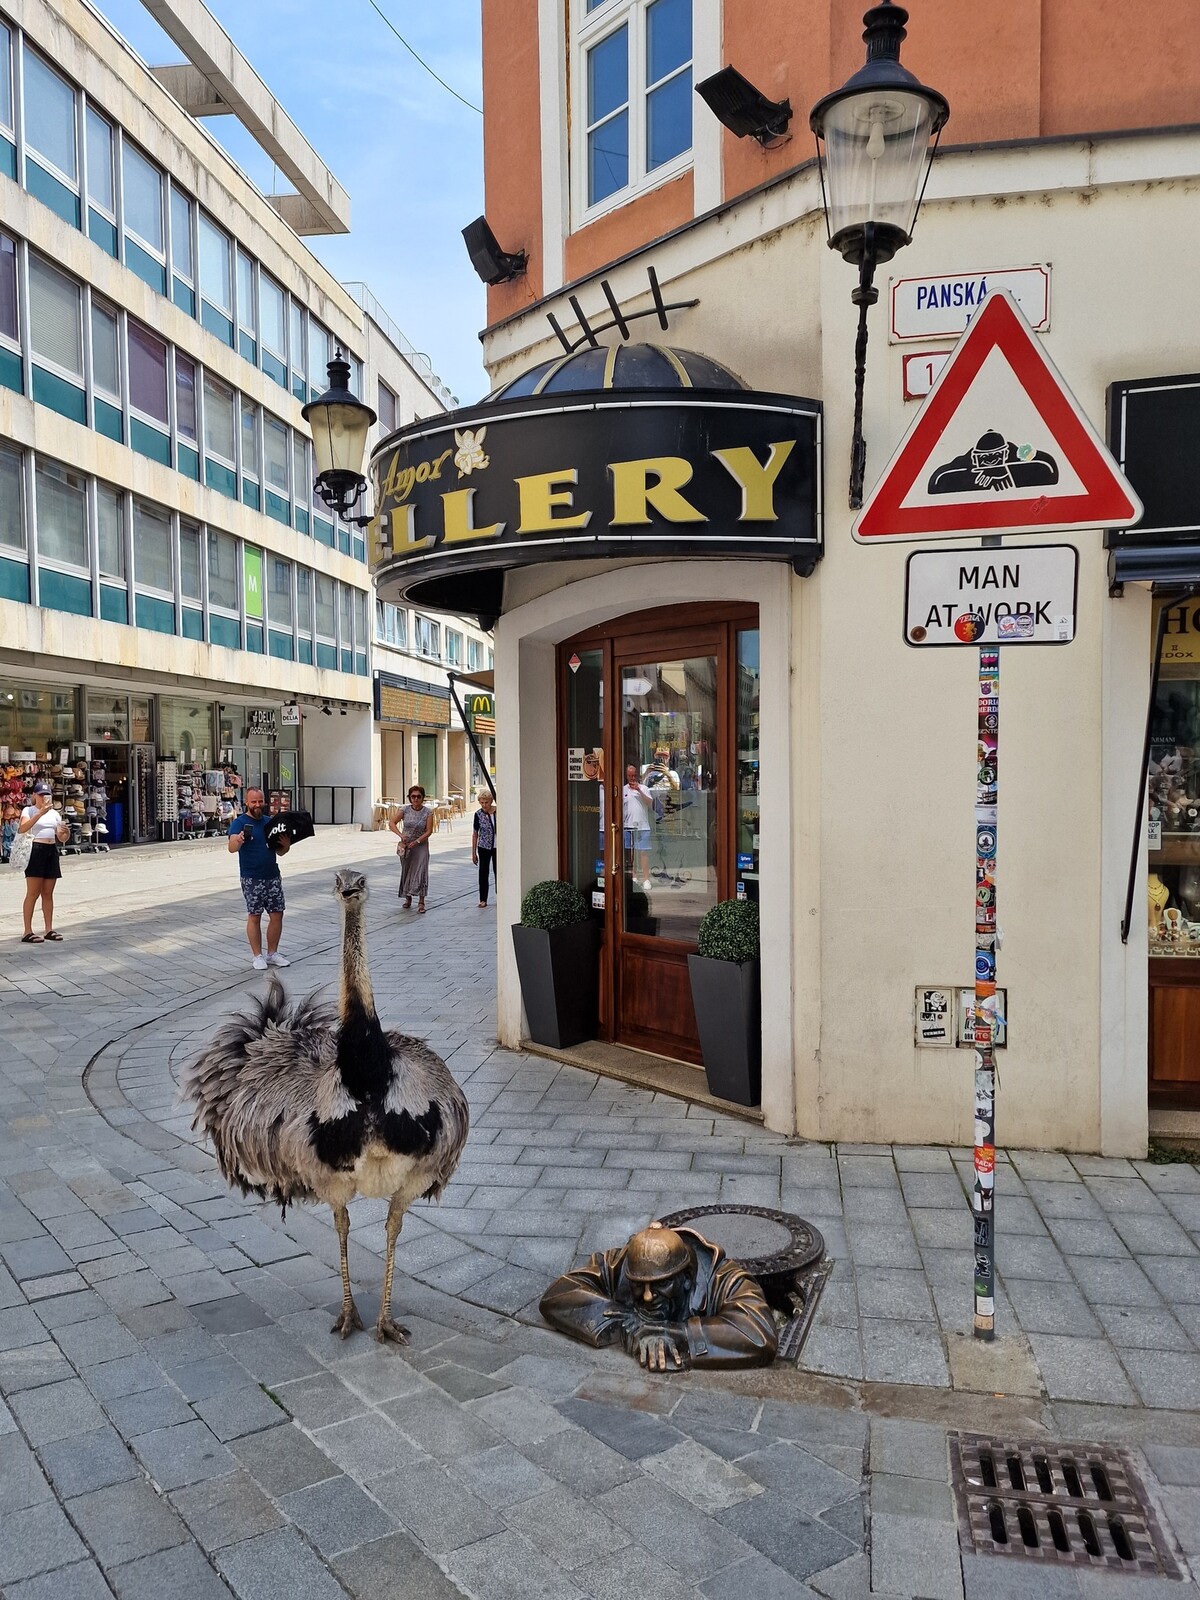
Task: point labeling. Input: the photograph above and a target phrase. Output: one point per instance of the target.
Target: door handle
(614, 853)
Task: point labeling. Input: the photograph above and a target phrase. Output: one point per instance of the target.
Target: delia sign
(577, 477)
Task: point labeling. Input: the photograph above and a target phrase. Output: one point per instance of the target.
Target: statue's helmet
(657, 1253)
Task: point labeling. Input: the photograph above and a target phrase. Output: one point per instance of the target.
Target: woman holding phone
(43, 871)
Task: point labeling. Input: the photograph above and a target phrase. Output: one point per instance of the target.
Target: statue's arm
(582, 1305)
(736, 1327)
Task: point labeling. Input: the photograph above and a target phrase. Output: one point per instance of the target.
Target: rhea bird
(303, 1102)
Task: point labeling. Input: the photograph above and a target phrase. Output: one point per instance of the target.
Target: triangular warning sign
(999, 446)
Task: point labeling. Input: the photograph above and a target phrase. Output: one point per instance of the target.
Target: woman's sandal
(54, 935)
(32, 938)
(421, 908)
(407, 906)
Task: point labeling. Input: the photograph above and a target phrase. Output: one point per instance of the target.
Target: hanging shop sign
(464, 498)
(289, 716)
(478, 704)
(941, 305)
(1013, 595)
(409, 702)
(1001, 445)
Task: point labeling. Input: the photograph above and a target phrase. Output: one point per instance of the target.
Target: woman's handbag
(22, 849)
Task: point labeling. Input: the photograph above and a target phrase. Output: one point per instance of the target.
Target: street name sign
(1000, 445)
(941, 305)
(1014, 595)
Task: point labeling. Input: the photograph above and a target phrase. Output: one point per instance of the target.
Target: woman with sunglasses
(413, 825)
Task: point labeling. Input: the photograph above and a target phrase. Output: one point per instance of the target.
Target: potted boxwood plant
(555, 944)
(725, 994)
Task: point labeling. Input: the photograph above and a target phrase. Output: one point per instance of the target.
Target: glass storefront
(185, 732)
(40, 720)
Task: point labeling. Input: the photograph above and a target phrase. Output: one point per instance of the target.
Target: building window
(275, 455)
(247, 309)
(635, 60)
(250, 461)
(296, 350)
(454, 648)
(6, 115)
(110, 528)
(216, 281)
(279, 595)
(12, 509)
(190, 561)
(183, 284)
(326, 607)
(147, 374)
(474, 655)
(102, 204)
(346, 594)
(222, 571)
(301, 480)
(272, 323)
(319, 352)
(491, 660)
(185, 397)
(387, 408)
(142, 194)
(108, 415)
(9, 324)
(304, 616)
(218, 421)
(50, 103)
(56, 319)
(61, 515)
(428, 636)
(152, 549)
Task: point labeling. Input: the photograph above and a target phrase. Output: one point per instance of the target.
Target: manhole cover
(1077, 1504)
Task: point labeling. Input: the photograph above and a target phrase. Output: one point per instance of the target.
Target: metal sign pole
(986, 797)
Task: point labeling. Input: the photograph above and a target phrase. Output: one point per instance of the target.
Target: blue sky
(410, 155)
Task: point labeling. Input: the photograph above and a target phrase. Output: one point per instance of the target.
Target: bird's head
(350, 886)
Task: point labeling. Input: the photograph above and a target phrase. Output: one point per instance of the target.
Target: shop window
(220, 467)
(297, 354)
(61, 515)
(183, 271)
(142, 215)
(275, 468)
(636, 67)
(148, 394)
(386, 408)
(216, 281)
(474, 655)
(101, 185)
(50, 104)
(190, 561)
(110, 530)
(223, 571)
(251, 471)
(454, 648)
(107, 719)
(152, 549)
(428, 636)
(12, 503)
(56, 338)
(272, 323)
(247, 309)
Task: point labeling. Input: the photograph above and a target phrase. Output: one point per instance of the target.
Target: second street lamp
(340, 423)
(876, 137)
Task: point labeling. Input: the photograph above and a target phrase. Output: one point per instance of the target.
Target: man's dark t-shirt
(256, 859)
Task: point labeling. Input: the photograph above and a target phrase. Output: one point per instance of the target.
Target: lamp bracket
(619, 319)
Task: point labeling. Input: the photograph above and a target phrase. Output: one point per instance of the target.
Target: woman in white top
(43, 872)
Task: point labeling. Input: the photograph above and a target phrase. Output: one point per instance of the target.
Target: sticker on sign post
(1011, 595)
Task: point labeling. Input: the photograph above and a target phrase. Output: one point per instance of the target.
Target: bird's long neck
(362, 1050)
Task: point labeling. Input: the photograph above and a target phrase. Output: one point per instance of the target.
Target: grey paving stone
(1175, 1464)
(223, 1511)
(1052, 1307)
(702, 1476)
(56, 1411)
(632, 1433)
(554, 1377)
(211, 1375)
(35, 1258)
(380, 1374)
(799, 1544)
(87, 1344)
(507, 1567)
(368, 1446)
(518, 1415)
(580, 1460)
(628, 1573)
(566, 1528)
(1166, 1378)
(803, 1480)
(904, 1352)
(501, 1476)
(232, 1314)
(1081, 1369)
(848, 1580)
(916, 1555)
(1142, 1329)
(183, 1454)
(319, 1400)
(909, 1449)
(337, 1515)
(128, 1375)
(181, 1572)
(757, 1577)
(36, 1539)
(62, 1309)
(673, 1531)
(435, 1507)
(893, 1294)
(1116, 1283)
(271, 1355)
(20, 1328)
(82, 1581)
(282, 1459)
(1182, 1508)
(393, 1566)
(1143, 1233)
(88, 1461)
(126, 1521)
(22, 1482)
(990, 1577)
(439, 1426)
(234, 1412)
(149, 1409)
(900, 1496)
(277, 1564)
(1176, 1279)
(463, 1383)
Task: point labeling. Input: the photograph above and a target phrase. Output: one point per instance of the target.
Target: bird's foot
(348, 1321)
(389, 1332)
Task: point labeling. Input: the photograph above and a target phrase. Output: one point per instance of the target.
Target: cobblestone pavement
(177, 1418)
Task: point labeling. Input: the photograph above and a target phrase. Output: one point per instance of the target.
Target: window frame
(214, 541)
(134, 327)
(72, 182)
(159, 514)
(159, 251)
(18, 551)
(78, 379)
(14, 342)
(588, 30)
(60, 563)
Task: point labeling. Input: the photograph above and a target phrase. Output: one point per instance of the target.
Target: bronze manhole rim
(804, 1249)
(1067, 1503)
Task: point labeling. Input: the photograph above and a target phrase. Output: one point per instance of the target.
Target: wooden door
(1174, 1033)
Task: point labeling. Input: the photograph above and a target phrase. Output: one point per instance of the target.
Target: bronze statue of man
(671, 1298)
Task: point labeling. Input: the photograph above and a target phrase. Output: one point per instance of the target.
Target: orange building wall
(512, 146)
(1020, 70)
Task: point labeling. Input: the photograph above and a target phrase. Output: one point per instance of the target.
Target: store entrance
(660, 802)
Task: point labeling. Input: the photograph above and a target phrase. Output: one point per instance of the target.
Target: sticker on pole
(1013, 595)
(999, 446)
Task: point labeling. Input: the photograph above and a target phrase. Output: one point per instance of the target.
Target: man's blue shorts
(263, 894)
(643, 839)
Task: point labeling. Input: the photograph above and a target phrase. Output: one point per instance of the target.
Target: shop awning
(1164, 566)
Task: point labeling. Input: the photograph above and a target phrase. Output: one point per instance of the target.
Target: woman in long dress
(413, 824)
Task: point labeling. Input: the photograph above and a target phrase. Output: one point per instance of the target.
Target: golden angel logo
(470, 456)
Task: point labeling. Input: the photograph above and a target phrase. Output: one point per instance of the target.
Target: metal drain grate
(1074, 1504)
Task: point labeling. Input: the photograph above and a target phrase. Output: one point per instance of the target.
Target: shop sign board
(941, 305)
(1013, 595)
(409, 702)
(252, 580)
(289, 716)
(999, 446)
(261, 721)
(619, 474)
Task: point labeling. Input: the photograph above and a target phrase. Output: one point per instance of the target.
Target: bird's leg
(385, 1328)
(349, 1319)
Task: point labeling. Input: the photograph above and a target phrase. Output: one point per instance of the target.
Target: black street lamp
(876, 137)
(340, 423)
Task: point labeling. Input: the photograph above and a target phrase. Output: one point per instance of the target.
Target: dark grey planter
(559, 982)
(725, 995)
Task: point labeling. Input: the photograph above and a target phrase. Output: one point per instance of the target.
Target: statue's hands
(658, 1350)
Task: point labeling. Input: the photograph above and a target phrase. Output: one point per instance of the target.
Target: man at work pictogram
(995, 463)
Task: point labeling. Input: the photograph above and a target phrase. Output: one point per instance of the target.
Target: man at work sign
(1014, 595)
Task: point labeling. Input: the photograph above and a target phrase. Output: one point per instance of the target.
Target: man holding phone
(262, 884)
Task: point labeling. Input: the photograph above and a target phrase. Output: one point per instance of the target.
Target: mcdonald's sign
(479, 708)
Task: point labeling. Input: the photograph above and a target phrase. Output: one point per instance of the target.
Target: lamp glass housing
(340, 423)
(877, 147)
